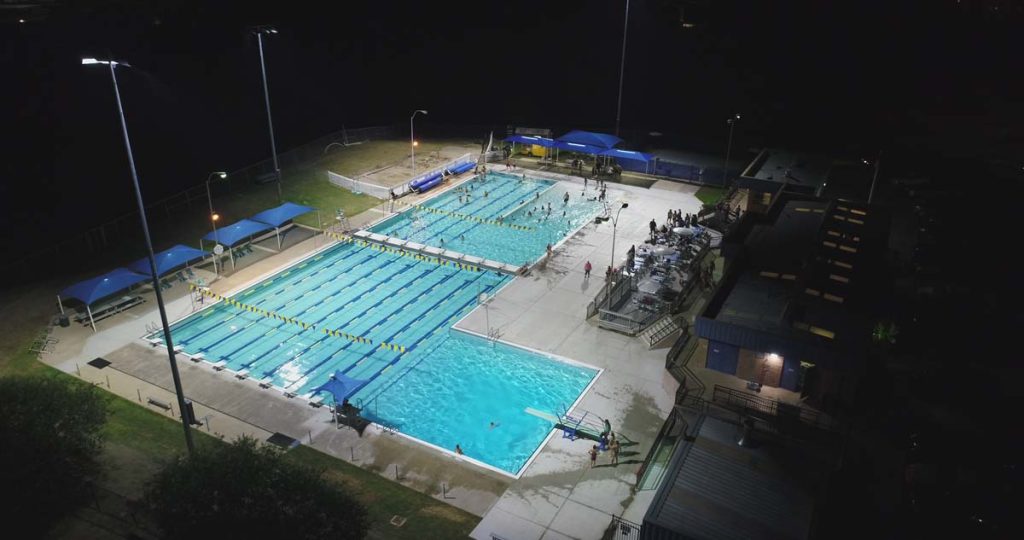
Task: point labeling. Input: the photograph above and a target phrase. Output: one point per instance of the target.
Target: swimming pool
(444, 389)
(452, 220)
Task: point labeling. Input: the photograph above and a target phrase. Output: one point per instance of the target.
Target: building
(799, 296)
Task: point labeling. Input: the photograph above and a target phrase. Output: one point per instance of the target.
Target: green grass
(139, 441)
(710, 195)
(360, 158)
(426, 517)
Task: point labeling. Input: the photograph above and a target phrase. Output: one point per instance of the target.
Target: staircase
(661, 332)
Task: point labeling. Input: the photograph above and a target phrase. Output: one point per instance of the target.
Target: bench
(159, 404)
(110, 308)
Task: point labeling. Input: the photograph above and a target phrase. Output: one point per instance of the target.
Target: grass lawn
(710, 195)
(138, 442)
(360, 158)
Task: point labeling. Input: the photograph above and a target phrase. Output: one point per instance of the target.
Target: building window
(840, 279)
(834, 298)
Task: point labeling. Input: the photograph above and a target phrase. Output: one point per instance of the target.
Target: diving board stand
(573, 427)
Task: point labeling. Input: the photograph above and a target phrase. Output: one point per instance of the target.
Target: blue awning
(530, 139)
(601, 140)
(276, 216)
(340, 386)
(628, 154)
(578, 147)
(236, 232)
(98, 287)
(168, 259)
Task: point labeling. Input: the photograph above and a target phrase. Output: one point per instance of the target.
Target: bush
(245, 489)
(50, 437)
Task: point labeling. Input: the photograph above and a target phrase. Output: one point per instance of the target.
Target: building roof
(715, 489)
(799, 171)
(803, 281)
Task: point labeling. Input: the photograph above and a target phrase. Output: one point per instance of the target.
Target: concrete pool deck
(558, 495)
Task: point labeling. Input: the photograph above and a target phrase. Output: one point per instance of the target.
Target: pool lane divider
(293, 321)
(433, 255)
(474, 219)
(440, 261)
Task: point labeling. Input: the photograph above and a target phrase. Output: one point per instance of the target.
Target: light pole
(412, 140)
(874, 178)
(728, 150)
(149, 252)
(615, 225)
(259, 31)
(213, 215)
(622, 69)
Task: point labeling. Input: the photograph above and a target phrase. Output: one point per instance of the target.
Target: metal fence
(622, 529)
(87, 242)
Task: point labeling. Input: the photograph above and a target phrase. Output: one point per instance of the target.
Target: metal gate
(622, 529)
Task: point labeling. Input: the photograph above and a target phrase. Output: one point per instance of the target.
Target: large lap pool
(464, 219)
(334, 310)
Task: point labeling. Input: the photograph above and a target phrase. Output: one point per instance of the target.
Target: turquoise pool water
(516, 201)
(445, 389)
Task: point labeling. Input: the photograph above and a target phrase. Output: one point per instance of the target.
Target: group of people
(608, 443)
(677, 219)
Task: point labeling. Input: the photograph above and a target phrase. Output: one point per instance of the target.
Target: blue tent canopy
(578, 147)
(602, 140)
(234, 233)
(98, 287)
(531, 139)
(276, 216)
(340, 386)
(168, 259)
(628, 154)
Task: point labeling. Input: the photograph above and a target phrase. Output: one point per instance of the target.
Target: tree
(50, 437)
(245, 489)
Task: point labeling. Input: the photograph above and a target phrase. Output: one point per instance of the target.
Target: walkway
(558, 496)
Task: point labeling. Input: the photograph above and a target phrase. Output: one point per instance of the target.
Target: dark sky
(832, 76)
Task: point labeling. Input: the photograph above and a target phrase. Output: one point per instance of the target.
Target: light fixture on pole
(622, 69)
(213, 215)
(149, 253)
(615, 225)
(412, 140)
(728, 150)
(259, 31)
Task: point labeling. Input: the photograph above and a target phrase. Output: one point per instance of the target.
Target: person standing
(593, 456)
(586, 270)
(654, 227)
(613, 447)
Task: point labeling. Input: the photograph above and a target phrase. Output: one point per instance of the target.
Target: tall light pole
(615, 225)
(259, 31)
(149, 252)
(213, 216)
(622, 69)
(878, 161)
(412, 140)
(728, 150)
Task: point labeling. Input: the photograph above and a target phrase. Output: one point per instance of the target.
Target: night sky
(839, 77)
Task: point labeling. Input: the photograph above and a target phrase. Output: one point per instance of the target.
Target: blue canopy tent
(602, 140)
(235, 233)
(91, 290)
(168, 259)
(631, 155)
(530, 139)
(341, 386)
(276, 217)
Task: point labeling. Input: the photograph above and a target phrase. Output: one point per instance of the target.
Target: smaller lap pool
(464, 219)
